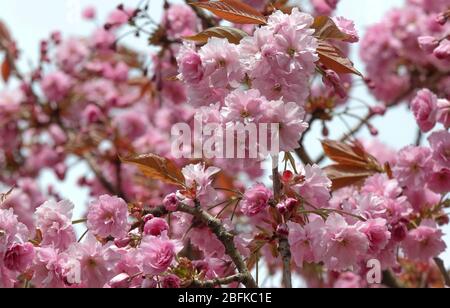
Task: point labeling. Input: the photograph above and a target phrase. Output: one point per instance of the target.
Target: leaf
(326, 28)
(157, 168)
(332, 58)
(6, 70)
(346, 154)
(354, 164)
(233, 10)
(344, 175)
(233, 35)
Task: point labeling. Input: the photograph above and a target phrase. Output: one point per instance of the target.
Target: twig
(217, 282)
(283, 243)
(225, 237)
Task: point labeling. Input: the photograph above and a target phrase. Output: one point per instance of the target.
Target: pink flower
(377, 232)
(424, 107)
(443, 113)
(155, 226)
(290, 118)
(56, 86)
(108, 216)
(10, 230)
(171, 202)
(413, 166)
(347, 27)
(345, 244)
(306, 241)
(440, 144)
(96, 262)
(179, 21)
(131, 125)
(442, 52)
(324, 7)
(49, 268)
(424, 243)
(71, 54)
(119, 17)
(55, 222)
(243, 106)
(199, 178)
(190, 64)
(348, 280)
(171, 282)
(89, 13)
(313, 185)
(158, 253)
(440, 181)
(422, 198)
(256, 199)
(221, 62)
(428, 43)
(19, 257)
(381, 185)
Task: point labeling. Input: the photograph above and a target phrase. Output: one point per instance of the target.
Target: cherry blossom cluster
(400, 54)
(154, 221)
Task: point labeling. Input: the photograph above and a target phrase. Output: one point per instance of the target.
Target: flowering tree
(168, 214)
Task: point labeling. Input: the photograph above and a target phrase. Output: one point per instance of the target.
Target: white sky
(32, 20)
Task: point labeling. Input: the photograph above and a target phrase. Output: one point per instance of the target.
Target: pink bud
(155, 226)
(428, 43)
(283, 230)
(170, 202)
(122, 243)
(443, 51)
(19, 257)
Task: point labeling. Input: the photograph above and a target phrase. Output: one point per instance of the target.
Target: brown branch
(225, 237)
(390, 281)
(304, 156)
(217, 282)
(440, 264)
(283, 243)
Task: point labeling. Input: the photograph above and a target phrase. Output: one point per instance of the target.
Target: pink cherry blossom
(424, 243)
(200, 178)
(256, 199)
(108, 216)
(158, 253)
(155, 226)
(54, 220)
(413, 166)
(424, 107)
(313, 185)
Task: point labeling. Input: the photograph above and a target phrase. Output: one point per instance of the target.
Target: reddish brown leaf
(6, 70)
(233, 35)
(332, 58)
(346, 154)
(233, 10)
(158, 168)
(354, 164)
(327, 29)
(343, 175)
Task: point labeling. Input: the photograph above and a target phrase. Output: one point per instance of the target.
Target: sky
(31, 21)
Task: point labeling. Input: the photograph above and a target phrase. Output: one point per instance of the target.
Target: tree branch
(225, 237)
(440, 264)
(283, 243)
(217, 282)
